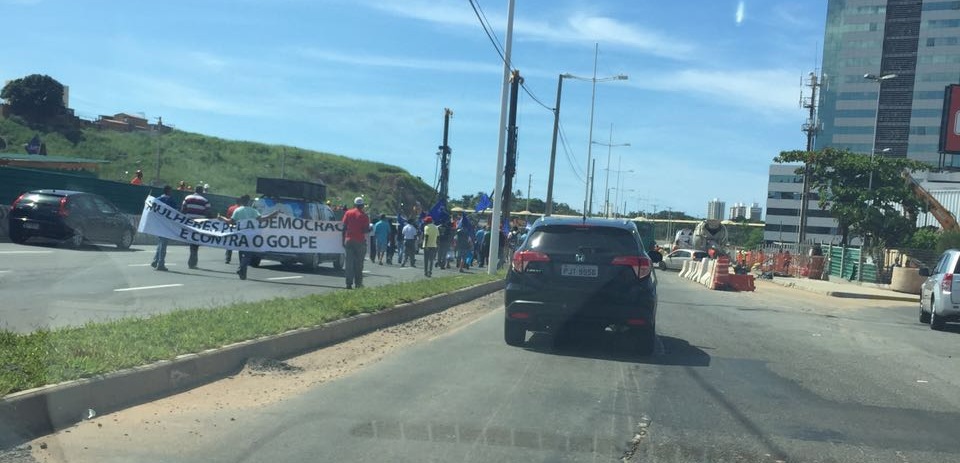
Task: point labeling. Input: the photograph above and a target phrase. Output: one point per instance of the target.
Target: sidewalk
(843, 289)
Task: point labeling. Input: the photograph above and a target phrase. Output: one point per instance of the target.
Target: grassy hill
(229, 167)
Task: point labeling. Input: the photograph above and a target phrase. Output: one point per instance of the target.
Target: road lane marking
(285, 278)
(138, 288)
(5, 271)
(25, 252)
(922, 381)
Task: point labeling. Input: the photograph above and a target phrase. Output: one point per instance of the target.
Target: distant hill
(229, 167)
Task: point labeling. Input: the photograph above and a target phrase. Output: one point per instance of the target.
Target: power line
(488, 30)
(525, 89)
(569, 156)
(492, 36)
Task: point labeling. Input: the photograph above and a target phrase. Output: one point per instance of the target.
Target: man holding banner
(195, 206)
(356, 225)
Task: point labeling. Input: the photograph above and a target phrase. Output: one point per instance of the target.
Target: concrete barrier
(906, 280)
(685, 269)
(709, 267)
(29, 414)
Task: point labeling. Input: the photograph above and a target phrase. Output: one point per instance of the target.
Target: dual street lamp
(556, 125)
(606, 185)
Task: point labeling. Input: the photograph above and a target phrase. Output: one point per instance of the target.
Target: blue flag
(439, 213)
(400, 220)
(484, 203)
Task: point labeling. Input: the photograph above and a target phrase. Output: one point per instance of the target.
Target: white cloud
(579, 28)
(158, 92)
(765, 91)
(400, 62)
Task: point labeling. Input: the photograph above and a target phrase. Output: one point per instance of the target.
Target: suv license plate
(31, 225)
(576, 270)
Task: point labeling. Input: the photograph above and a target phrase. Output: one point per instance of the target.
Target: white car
(675, 260)
(940, 293)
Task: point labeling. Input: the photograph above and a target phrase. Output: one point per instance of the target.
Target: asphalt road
(48, 286)
(777, 375)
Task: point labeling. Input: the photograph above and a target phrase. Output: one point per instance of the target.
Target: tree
(843, 179)
(37, 98)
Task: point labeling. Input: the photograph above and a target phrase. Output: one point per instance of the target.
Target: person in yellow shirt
(430, 235)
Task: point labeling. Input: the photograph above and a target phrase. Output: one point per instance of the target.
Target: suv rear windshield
(44, 199)
(294, 207)
(569, 238)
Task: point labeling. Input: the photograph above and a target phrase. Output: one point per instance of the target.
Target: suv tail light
(641, 265)
(17, 201)
(63, 207)
(522, 258)
(947, 284)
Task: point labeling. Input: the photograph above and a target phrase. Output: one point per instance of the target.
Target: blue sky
(709, 102)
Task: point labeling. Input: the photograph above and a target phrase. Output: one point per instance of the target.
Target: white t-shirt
(409, 232)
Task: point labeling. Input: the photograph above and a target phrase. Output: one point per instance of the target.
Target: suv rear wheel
(77, 239)
(514, 333)
(18, 236)
(126, 239)
(643, 341)
(936, 322)
(924, 316)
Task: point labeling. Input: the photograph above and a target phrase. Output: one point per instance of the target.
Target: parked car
(72, 216)
(582, 273)
(675, 260)
(303, 209)
(940, 293)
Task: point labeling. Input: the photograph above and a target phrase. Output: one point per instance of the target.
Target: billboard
(950, 123)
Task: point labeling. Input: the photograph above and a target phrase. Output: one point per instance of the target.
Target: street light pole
(593, 98)
(876, 121)
(606, 181)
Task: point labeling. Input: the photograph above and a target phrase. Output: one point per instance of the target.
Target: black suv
(71, 216)
(582, 273)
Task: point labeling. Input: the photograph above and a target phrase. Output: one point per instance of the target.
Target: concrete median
(28, 414)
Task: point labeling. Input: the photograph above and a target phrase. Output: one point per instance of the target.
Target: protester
(356, 224)
(443, 244)
(195, 206)
(485, 248)
(461, 239)
(243, 211)
(137, 178)
(381, 231)
(391, 242)
(409, 245)
(182, 186)
(160, 256)
(398, 235)
(478, 245)
(430, 235)
(229, 215)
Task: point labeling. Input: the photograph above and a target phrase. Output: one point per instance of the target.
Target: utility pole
(606, 180)
(529, 182)
(588, 196)
(510, 166)
(445, 157)
(593, 172)
(553, 149)
(810, 127)
(496, 213)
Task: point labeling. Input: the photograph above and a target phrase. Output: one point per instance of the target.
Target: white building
(716, 209)
(738, 211)
(755, 214)
(783, 210)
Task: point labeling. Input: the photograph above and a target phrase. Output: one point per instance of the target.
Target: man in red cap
(356, 224)
(430, 235)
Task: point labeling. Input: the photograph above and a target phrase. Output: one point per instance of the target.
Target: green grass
(230, 167)
(52, 356)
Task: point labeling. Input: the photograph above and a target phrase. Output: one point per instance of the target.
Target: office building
(911, 50)
(716, 209)
(738, 211)
(755, 213)
(783, 210)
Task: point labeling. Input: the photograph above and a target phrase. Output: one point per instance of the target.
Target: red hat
(428, 219)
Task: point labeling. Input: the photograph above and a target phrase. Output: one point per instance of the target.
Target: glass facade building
(919, 41)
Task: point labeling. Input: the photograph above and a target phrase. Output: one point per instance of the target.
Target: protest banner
(278, 233)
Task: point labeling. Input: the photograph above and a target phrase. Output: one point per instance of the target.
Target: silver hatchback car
(940, 293)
